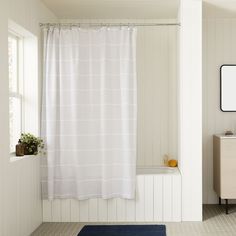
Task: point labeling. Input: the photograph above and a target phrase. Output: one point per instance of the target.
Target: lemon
(172, 163)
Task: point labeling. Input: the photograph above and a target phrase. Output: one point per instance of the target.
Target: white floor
(215, 223)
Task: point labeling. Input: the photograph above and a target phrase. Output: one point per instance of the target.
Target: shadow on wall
(222, 10)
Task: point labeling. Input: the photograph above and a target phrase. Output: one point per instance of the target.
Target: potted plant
(32, 145)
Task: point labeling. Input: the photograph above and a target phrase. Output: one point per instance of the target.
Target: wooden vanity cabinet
(224, 167)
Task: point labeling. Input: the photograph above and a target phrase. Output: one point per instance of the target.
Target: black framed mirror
(228, 88)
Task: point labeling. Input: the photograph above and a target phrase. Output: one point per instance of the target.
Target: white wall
(219, 37)
(190, 93)
(20, 204)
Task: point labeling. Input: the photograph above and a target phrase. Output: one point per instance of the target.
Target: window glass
(15, 97)
(13, 61)
(15, 121)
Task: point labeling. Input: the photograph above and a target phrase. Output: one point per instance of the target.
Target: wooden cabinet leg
(226, 207)
(219, 200)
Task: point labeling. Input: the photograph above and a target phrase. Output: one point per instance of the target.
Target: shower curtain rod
(108, 24)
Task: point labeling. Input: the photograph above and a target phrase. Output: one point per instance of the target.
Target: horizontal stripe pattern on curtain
(89, 112)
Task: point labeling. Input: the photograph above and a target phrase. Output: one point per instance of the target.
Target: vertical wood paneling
(121, 209)
(219, 48)
(14, 219)
(130, 210)
(111, 211)
(164, 96)
(149, 197)
(25, 198)
(56, 210)
(23, 204)
(102, 210)
(157, 94)
(140, 199)
(37, 198)
(173, 92)
(167, 198)
(93, 210)
(156, 99)
(84, 211)
(74, 210)
(47, 211)
(158, 198)
(65, 210)
(176, 198)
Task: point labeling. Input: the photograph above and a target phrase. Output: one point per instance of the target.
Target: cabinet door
(228, 168)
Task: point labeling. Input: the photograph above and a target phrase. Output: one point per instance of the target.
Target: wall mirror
(228, 88)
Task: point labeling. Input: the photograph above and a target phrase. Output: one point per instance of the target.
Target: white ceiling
(219, 9)
(114, 9)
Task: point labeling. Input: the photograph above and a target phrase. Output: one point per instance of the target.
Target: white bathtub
(158, 199)
(157, 170)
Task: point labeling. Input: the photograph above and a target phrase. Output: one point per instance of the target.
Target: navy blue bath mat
(123, 230)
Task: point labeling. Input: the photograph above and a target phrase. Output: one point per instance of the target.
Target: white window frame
(29, 86)
(19, 94)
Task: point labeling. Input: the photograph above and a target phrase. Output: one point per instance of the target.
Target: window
(15, 59)
(23, 84)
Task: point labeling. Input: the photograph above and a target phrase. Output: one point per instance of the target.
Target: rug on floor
(123, 230)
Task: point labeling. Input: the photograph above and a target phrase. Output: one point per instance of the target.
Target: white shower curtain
(89, 112)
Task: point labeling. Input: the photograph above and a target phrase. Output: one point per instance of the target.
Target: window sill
(14, 158)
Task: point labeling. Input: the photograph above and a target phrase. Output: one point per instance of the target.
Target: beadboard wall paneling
(219, 37)
(158, 199)
(20, 196)
(23, 208)
(157, 94)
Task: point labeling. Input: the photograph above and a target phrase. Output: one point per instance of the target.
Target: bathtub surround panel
(157, 94)
(158, 199)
